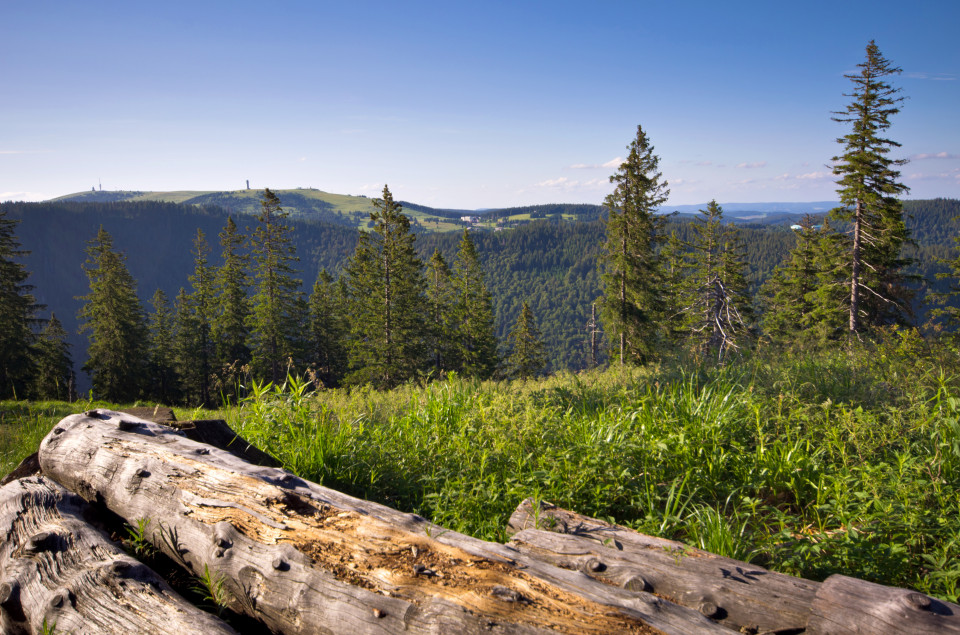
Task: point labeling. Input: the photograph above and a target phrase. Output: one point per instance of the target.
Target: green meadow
(810, 464)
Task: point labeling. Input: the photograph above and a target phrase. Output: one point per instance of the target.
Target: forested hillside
(549, 264)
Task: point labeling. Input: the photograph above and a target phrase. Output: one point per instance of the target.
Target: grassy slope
(812, 465)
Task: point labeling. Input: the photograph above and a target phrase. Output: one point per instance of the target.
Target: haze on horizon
(476, 106)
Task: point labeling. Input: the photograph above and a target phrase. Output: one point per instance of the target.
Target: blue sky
(465, 105)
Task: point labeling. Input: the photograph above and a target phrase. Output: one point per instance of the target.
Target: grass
(807, 464)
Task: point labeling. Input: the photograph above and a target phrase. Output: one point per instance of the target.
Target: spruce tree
(231, 305)
(387, 294)
(789, 295)
(869, 188)
(441, 302)
(277, 303)
(54, 373)
(114, 320)
(716, 307)
(632, 275)
(164, 381)
(328, 331)
(477, 337)
(195, 362)
(18, 309)
(527, 357)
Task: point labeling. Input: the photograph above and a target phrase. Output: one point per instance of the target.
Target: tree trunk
(59, 571)
(736, 594)
(847, 606)
(306, 559)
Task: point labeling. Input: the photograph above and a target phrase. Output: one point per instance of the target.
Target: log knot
(919, 601)
(506, 594)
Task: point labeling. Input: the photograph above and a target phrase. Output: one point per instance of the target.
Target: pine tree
(165, 384)
(184, 345)
(195, 363)
(277, 302)
(386, 286)
(477, 337)
(328, 331)
(18, 309)
(441, 302)
(231, 304)
(114, 320)
(789, 294)
(868, 189)
(527, 357)
(632, 275)
(54, 374)
(716, 307)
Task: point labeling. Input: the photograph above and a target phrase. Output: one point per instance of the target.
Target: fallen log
(847, 606)
(59, 572)
(306, 559)
(737, 594)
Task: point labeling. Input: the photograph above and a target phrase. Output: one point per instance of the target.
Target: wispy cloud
(22, 196)
(699, 163)
(750, 166)
(612, 163)
(563, 183)
(934, 155)
(951, 175)
(937, 77)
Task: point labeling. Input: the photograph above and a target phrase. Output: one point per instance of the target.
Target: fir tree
(277, 302)
(527, 357)
(18, 309)
(477, 337)
(114, 320)
(231, 304)
(632, 275)
(386, 286)
(716, 307)
(328, 330)
(441, 302)
(195, 364)
(165, 384)
(54, 374)
(789, 295)
(868, 189)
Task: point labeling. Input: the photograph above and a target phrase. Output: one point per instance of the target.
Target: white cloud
(937, 77)
(565, 184)
(612, 163)
(23, 196)
(934, 155)
(815, 176)
(750, 166)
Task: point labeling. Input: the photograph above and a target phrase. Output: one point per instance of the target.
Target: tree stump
(306, 559)
(57, 570)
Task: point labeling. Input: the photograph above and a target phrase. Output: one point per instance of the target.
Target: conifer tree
(716, 307)
(328, 331)
(868, 188)
(114, 320)
(477, 337)
(441, 302)
(527, 357)
(231, 304)
(18, 309)
(195, 363)
(386, 286)
(54, 374)
(632, 275)
(277, 302)
(165, 384)
(789, 295)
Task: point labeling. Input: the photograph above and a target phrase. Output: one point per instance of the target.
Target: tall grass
(809, 464)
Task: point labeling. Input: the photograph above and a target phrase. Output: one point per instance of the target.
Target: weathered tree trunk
(306, 559)
(736, 594)
(58, 570)
(847, 606)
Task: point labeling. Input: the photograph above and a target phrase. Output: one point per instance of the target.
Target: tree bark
(306, 559)
(847, 606)
(58, 570)
(736, 594)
